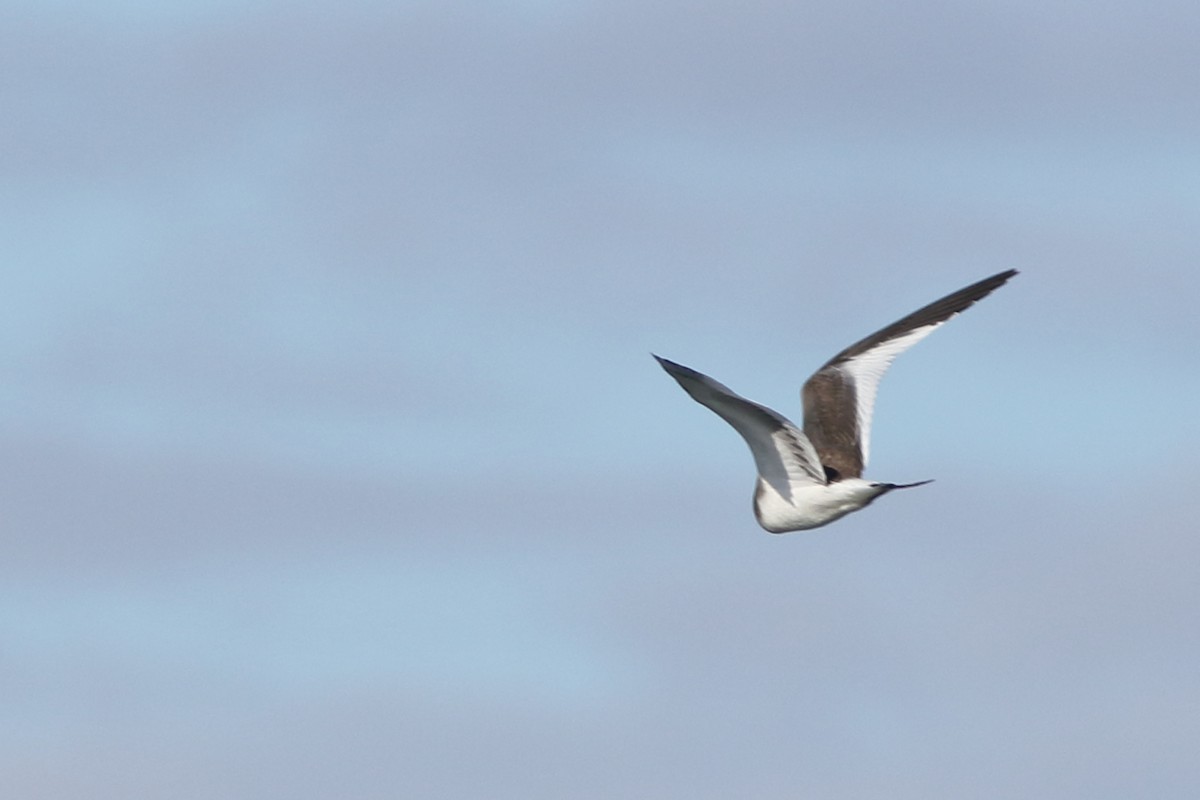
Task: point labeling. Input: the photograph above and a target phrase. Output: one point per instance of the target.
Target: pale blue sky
(335, 462)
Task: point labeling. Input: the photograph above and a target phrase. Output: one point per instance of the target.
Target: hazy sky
(335, 463)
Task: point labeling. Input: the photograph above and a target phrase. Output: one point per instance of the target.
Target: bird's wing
(782, 453)
(840, 397)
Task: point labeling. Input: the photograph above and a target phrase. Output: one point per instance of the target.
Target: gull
(811, 477)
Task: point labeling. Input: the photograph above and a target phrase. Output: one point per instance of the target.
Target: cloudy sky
(334, 461)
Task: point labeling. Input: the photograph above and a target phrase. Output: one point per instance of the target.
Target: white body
(812, 505)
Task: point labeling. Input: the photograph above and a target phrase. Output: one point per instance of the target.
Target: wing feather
(782, 453)
(839, 398)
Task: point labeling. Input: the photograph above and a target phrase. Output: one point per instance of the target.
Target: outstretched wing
(782, 453)
(840, 397)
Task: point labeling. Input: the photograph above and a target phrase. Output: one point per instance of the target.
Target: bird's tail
(891, 486)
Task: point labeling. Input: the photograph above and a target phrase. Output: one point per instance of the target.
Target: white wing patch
(784, 456)
(791, 461)
(866, 370)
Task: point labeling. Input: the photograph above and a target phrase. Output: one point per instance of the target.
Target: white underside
(812, 505)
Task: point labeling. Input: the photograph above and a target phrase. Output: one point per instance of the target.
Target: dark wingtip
(934, 313)
(989, 285)
(981, 289)
(667, 364)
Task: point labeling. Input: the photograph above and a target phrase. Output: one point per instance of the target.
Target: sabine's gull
(811, 477)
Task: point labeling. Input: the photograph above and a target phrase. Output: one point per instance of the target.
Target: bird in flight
(811, 477)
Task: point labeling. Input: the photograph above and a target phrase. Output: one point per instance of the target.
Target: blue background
(333, 460)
